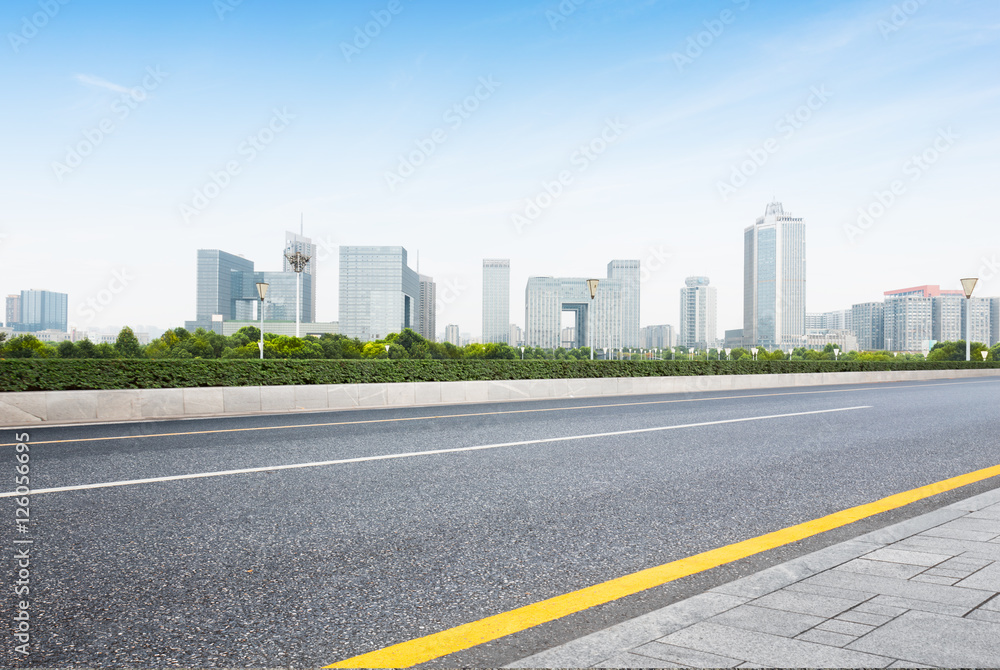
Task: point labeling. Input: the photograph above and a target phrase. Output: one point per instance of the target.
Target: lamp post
(298, 261)
(262, 292)
(967, 286)
(387, 351)
(836, 351)
(728, 351)
(985, 353)
(592, 285)
(522, 353)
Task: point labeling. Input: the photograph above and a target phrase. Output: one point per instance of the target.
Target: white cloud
(97, 82)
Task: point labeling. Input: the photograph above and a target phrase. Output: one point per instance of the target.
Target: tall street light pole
(262, 292)
(298, 261)
(592, 285)
(967, 286)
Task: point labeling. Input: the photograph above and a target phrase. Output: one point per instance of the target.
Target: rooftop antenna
(302, 224)
(418, 261)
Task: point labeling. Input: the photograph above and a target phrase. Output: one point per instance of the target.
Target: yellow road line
(468, 635)
(459, 416)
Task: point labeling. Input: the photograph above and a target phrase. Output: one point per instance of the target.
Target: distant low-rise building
(659, 337)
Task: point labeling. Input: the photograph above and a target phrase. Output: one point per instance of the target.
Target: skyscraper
(225, 286)
(994, 321)
(282, 289)
(379, 293)
(868, 320)
(13, 310)
(947, 324)
(304, 245)
(698, 314)
(427, 306)
(979, 320)
(612, 316)
(496, 300)
(451, 334)
(774, 280)
(908, 322)
(43, 310)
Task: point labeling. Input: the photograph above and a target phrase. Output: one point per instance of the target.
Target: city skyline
(657, 133)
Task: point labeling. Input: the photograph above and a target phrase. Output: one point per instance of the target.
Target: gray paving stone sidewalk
(921, 593)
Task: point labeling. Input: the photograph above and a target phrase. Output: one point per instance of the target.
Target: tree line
(180, 343)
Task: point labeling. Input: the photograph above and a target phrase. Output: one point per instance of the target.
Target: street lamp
(728, 351)
(387, 351)
(298, 261)
(836, 351)
(262, 292)
(967, 286)
(522, 353)
(592, 285)
(985, 353)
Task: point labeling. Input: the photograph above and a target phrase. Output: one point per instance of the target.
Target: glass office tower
(379, 293)
(496, 300)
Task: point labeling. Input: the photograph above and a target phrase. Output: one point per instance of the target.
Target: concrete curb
(39, 408)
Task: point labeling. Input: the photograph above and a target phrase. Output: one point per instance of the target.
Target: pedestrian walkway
(921, 593)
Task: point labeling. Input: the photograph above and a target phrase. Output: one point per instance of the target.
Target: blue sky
(695, 114)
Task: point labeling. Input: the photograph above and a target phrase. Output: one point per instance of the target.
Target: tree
(86, 349)
(66, 349)
(738, 353)
(127, 345)
(25, 346)
(495, 350)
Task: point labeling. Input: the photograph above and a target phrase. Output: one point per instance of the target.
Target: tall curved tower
(774, 280)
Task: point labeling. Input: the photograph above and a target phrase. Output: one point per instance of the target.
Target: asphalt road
(307, 566)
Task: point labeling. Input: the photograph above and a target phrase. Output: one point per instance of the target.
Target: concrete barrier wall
(62, 407)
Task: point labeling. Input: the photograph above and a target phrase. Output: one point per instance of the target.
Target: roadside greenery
(67, 374)
(203, 358)
(180, 344)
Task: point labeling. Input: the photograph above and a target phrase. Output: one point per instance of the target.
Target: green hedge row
(68, 374)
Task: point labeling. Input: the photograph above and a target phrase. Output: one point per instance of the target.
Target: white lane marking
(412, 454)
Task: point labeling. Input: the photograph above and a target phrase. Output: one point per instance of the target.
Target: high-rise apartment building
(42, 310)
(13, 310)
(698, 314)
(994, 321)
(979, 319)
(304, 245)
(947, 324)
(908, 322)
(379, 293)
(868, 321)
(496, 300)
(612, 316)
(427, 306)
(452, 335)
(774, 280)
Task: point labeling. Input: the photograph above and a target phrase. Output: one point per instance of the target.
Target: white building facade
(774, 280)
